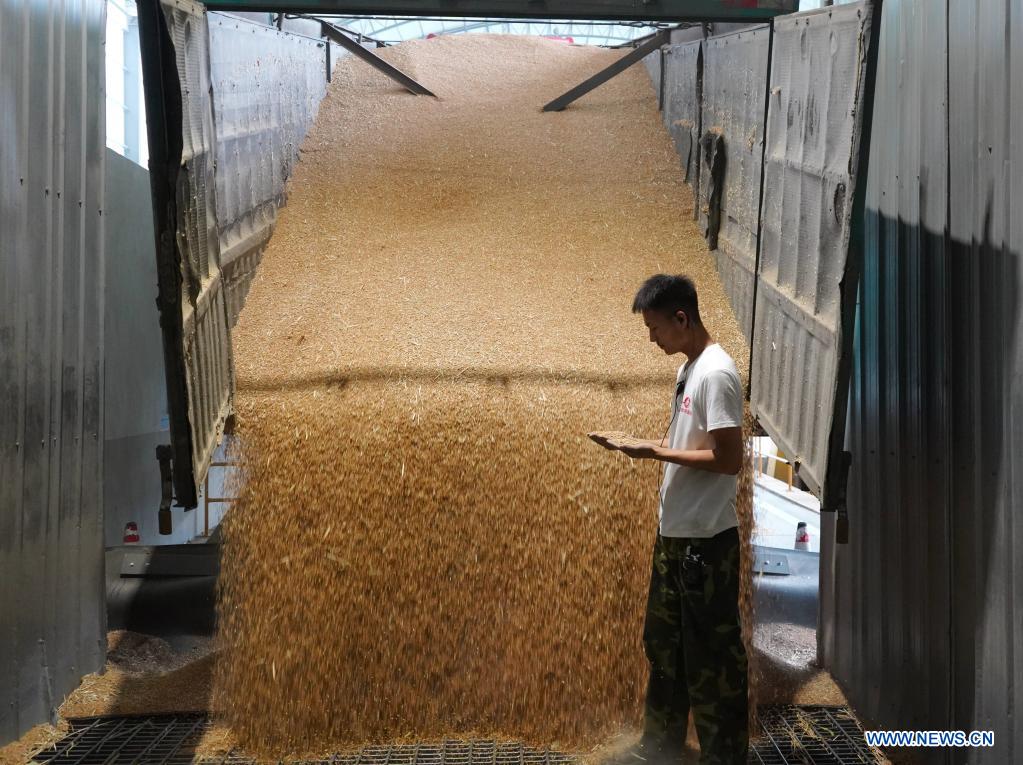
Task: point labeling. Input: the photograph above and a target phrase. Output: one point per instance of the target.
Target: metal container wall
(191, 299)
(984, 320)
(52, 625)
(207, 339)
(818, 69)
(683, 80)
(920, 612)
(653, 63)
(267, 87)
(734, 89)
(884, 596)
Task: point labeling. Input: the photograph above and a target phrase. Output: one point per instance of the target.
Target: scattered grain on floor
(145, 675)
(41, 736)
(426, 543)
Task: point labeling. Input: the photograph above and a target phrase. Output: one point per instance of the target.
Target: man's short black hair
(668, 294)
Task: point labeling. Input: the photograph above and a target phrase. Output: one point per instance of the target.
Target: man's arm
(725, 457)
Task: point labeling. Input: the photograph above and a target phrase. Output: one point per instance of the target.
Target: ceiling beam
(625, 10)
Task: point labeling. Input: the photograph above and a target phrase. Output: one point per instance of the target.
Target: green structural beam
(622, 10)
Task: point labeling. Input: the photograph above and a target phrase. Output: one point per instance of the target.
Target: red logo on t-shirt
(686, 408)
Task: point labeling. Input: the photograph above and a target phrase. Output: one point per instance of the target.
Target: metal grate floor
(789, 736)
(817, 735)
(167, 739)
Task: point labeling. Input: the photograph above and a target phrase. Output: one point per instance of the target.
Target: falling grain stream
(425, 543)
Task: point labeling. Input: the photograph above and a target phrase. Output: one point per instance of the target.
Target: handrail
(759, 455)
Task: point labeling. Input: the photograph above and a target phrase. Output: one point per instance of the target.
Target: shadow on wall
(161, 603)
(934, 404)
(985, 403)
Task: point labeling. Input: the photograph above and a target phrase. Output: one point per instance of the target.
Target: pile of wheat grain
(425, 543)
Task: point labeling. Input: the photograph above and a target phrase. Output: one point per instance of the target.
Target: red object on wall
(131, 533)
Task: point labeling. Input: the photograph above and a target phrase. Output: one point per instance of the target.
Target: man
(692, 633)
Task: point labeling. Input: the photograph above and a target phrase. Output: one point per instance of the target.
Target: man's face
(668, 331)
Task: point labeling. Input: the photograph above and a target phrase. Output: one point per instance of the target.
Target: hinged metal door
(192, 300)
(821, 93)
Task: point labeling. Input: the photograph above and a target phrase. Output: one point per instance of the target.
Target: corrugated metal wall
(734, 88)
(683, 82)
(818, 70)
(52, 626)
(653, 64)
(920, 613)
(267, 88)
(884, 609)
(207, 339)
(719, 84)
(984, 317)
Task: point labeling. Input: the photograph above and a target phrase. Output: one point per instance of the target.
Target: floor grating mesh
(789, 735)
(814, 735)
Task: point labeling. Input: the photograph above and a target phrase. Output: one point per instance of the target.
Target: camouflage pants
(693, 640)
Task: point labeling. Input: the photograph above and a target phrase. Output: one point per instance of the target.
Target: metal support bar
(207, 499)
(162, 89)
(334, 34)
(164, 455)
(619, 66)
(672, 11)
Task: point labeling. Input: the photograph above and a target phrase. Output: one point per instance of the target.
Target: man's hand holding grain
(630, 446)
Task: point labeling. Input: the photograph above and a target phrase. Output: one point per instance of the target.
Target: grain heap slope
(425, 542)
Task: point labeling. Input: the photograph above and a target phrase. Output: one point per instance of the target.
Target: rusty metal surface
(267, 88)
(813, 136)
(52, 626)
(734, 85)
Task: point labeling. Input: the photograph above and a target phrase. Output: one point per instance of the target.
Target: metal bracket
(771, 563)
(163, 456)
(335, 35)
(840, 491)
(619, 66)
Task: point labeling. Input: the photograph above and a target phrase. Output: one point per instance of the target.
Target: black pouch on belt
(694, 570)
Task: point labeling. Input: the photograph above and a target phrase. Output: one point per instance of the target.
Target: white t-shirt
(698, 503)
